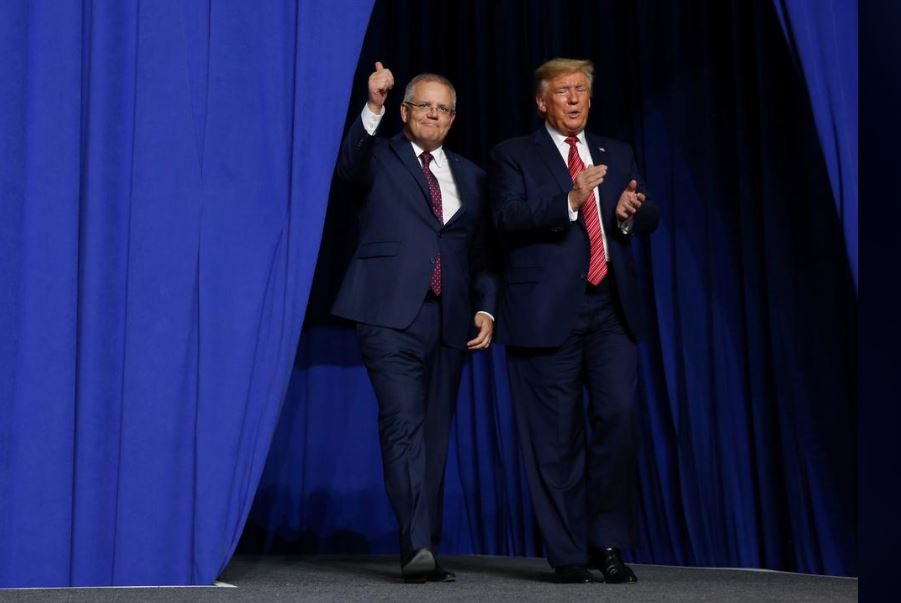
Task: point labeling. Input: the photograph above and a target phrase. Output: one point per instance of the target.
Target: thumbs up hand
(380, 82)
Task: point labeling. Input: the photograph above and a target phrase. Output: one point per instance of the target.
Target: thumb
(633, 185)
(379, 66)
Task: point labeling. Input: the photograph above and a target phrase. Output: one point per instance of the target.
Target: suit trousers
(416, 379)
(583, 483)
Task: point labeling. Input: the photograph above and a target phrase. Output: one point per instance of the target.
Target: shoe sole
(417, 569)
(448, 579)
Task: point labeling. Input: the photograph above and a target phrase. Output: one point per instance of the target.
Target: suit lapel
(550, 155)
(547, 151)
(404, 151)
(600, 156)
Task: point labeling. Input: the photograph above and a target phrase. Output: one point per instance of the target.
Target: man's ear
(542, 106)
(403, 113)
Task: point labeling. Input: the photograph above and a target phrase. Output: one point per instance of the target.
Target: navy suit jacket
(389, 274)
(545, 256)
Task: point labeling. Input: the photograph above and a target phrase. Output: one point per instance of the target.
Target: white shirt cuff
(486, 314)
(573, 214)
(371, 120)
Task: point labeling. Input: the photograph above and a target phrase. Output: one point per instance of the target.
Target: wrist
(576, 198)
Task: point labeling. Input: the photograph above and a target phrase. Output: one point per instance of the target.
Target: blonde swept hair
(558, 66)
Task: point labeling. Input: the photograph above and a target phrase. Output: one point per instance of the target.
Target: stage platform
(479, 578)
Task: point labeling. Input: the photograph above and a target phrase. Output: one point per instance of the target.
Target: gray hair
(430, 77)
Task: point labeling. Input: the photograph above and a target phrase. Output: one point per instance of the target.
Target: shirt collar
(438, 156)
(560, 139)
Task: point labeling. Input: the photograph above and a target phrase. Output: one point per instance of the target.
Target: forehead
(433, 91)
(573, 78)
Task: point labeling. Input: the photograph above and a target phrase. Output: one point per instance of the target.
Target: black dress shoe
(439, 574)
(417, 566)
(572, 574)
(610, 562)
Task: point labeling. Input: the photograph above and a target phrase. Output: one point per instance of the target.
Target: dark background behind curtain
(748, 403)
(165, 171)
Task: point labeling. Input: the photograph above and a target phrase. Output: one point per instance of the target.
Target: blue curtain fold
(822, 35)
(166, 167)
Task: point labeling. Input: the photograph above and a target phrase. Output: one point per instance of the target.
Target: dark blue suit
(563, 335)
(413, 345)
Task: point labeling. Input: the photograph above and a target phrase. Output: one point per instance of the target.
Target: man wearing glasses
(419, 289)
(567, 204)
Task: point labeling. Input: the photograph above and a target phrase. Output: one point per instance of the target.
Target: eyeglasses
(427, 108)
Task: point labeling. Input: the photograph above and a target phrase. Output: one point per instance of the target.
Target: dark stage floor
(480, 578)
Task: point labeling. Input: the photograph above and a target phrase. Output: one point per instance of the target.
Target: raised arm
(356, 148)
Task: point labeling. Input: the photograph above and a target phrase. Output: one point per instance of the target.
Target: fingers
(591, 176)
(626, 209)
(629, 202)
(596, 169)
(380, 82)
(381, 79)
(483, 339)
(479, 343)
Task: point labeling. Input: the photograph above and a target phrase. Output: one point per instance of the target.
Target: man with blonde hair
(567, 204)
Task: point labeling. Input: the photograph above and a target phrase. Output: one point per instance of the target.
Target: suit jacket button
(431, 260)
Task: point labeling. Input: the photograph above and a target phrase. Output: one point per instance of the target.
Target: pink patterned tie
(435, 192)
(597, 265)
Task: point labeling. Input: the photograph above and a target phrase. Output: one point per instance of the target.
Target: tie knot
(571, 140)
(426, 158)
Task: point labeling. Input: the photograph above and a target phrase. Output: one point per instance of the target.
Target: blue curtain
(166, 167)
(748, 388)
(822, 35)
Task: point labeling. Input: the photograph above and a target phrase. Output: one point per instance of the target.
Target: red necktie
(435, 193)
(597, 265)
